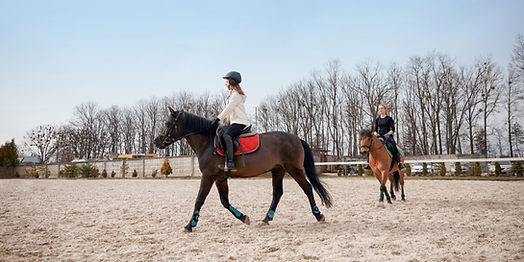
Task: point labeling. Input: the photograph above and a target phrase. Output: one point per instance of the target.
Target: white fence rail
(454, 160)
(188, 166)
(449, 165)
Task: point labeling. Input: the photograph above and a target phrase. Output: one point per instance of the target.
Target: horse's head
(172, 130)
(366, 141)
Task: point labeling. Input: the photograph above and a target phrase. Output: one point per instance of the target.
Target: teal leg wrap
(270, 214)
(235, 211)
(194, 219)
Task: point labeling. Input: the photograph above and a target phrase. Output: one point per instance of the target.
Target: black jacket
(384, 125)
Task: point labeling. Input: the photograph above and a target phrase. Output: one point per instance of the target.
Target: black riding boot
(230, 163)
(400, 165)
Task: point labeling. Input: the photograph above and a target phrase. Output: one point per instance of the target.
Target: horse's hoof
(394, 197)
(246, 220)
(381, 205)
(322, 219)
(188, 229)
(263, 223)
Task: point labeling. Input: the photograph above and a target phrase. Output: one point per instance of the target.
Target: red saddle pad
(250, 144)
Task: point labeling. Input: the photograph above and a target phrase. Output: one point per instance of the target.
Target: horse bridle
(168, 139)
(370, 144)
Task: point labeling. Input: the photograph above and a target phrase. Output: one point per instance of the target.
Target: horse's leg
(223, 191)
(299, 176)
(391, 182)
(378, 176)
(278, 175)
(205, 185)
(383, 188)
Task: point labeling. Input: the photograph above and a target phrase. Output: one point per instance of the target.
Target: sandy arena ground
(143, 220)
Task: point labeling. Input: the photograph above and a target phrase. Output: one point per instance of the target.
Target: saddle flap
(250, 144)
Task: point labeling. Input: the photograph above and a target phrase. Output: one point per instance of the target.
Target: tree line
(439, 108)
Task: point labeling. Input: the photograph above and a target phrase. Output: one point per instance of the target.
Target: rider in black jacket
(385, 127)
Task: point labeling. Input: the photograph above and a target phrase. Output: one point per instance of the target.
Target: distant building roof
(79, 161)
(30, 160)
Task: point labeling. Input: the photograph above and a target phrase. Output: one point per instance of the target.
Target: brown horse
(279, 153)
(382, 165)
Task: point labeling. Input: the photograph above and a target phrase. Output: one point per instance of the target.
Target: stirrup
(230, 165)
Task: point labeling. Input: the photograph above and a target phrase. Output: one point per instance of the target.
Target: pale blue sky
(55, 55)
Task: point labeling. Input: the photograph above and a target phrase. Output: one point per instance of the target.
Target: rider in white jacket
(235, 114)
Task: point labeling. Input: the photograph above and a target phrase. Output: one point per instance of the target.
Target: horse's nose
(158, 141)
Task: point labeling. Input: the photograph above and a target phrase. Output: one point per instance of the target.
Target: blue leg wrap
(235, 211)
(194, 220)
(316, 210)
(271, 213)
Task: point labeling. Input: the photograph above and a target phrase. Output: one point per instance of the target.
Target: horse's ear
(171, 110)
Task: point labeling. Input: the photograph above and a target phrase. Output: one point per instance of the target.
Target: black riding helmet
(233, 75)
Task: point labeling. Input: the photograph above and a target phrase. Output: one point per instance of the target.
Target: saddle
(389, 147)
(248, 142)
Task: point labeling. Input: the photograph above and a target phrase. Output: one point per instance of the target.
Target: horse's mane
(195, 123)
(365, 133)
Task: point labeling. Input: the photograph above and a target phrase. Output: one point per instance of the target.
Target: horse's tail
(396, 178)
(309, 165)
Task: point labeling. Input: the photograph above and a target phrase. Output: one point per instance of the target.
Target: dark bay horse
(382, 165)
(279, 153)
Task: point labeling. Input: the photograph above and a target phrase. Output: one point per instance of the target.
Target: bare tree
(140, 114)
(89, 131)
(42, 142)
(330, 90)
(129, 130)
(307, 101)
(452, 105)
(412, 134)
(490, 94)
(472, 80)
(288, 109)
(371, 84)
(517, 59)
(395, 81)
(114, 126)
(514, 91)
(352, 113)
(418, 79)
(153, 110)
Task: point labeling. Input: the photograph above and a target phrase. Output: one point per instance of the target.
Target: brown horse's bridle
(368, 146)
